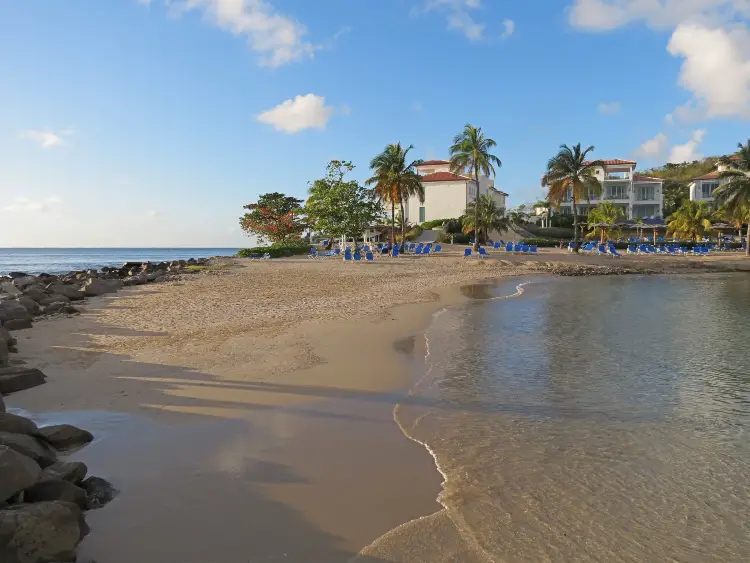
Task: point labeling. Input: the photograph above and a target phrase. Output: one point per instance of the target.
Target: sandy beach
(247, 413)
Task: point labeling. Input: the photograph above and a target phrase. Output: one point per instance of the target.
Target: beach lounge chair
(532, 248)
(394, 252)
(438, 248)
(369, 257)
(613, 251)
(482, 252)
(631, 249)
(497, 245)
(467, 252)
(348, 255)
(384, 251)
(509, 247)
(418, 250)
(427, 250)
(357, 256)
(313, 253)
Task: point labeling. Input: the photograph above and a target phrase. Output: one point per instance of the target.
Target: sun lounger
(369, 256)
(394, 252)
(532, 248)
(438, 248)
(482, 252)
(357, 256)
(467, 252)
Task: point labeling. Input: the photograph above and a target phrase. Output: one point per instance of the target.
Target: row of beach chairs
(369, 253)
(513, 248)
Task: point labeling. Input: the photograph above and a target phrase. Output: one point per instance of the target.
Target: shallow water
(589, 419)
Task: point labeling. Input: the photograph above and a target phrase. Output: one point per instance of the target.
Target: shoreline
(325, 384)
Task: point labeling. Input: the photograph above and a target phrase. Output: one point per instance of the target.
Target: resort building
(640, 197)
(446, 194)
(702, 188)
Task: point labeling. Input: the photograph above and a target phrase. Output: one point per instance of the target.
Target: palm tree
(491, 217)
(569, 171)
(396, 181)
(471, 151)
(736, 216)
(735, 194)
(692, 220)
(605, 212)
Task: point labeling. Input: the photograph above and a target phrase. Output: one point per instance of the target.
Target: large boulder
(4, 354)
(31, 306)
(65, 436)
(10, 289)
(54, 298)
(69, 291)
(12, 310)
(24, 281)
(93, 287)
(55, 489)
(15, 424)
(42, 532)
(29, 446)
(98, 492)
(2, 404)
(5, 335)
(35, 292)
(18, 324)
(70, 471)
(16, 472)
(15, 379)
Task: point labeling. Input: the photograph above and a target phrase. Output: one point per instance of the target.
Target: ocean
(585, 419)
(63, 260)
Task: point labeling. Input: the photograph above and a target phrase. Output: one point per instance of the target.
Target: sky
(152, 122)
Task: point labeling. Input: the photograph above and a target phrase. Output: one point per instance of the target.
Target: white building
(702, 188)
(446, 195)
(640, 197)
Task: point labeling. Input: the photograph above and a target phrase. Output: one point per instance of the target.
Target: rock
(54, 298)
(2, 404)
(18, 324)
(92, 288)
(15, 379)
(14, 275)
(10, 289)
(16, 472)
(71, 471)
(134, 280)
(17, 424)
(5, 336)
(41, 532)
(12, 310)
(29, 304)
(35, 292)
(24, 281)
(55, 307)
(55, 489)
(69, 291)
(4, 354)
(29, 446)
(65, 436)
(98, 492)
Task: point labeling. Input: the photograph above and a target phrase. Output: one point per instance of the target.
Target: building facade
(447, 194)
(702, 188)
(640, 197)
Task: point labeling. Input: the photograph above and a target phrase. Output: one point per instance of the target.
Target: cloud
(716, 68)
(24, 204)
(45, 138)
(688, 112)
(653, 148)
(458, 16)
(608, 108)
(605, 15)
(509, 27)
(278, 39)
(303, 112)
(689, 151)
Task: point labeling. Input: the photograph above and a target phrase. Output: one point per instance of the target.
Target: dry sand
(247, 413)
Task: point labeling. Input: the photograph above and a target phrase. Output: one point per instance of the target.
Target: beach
(246, 412)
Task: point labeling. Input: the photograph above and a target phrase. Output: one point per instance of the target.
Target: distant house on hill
(702, 188)
(447, 194)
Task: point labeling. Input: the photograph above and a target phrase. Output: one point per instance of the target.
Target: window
(421, 215)
(645, 193)
(643, 211)
(617, 192)
(707, 189)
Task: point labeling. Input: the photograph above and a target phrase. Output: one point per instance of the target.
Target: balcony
(617, 196)
(614, 176)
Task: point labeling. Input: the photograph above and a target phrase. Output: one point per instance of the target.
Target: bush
(277, 250)
(445, 238)
(414, 232)
(542, 242)
(435, 223)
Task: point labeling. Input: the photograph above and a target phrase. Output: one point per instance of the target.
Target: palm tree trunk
(403, 226)
(393, 223)
(477, 230)
(747, 243)
(575, 225)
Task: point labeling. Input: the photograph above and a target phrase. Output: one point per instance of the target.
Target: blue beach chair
(467, 252)
(482, 252)
(369, 257)
(394, 252)
(438, 249)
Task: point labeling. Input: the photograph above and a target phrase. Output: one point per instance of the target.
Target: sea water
(586, 419)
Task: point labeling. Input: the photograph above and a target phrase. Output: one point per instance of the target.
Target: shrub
(542, 242)
(445, 238)
(278, 250)
(435, 223)
(414, 232)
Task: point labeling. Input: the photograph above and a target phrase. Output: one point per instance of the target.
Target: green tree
(605, 212)
(396, 180)
(491, 218)
(275, 218)
(675, 192)
(569, 171)
(692, 220)
(735, 193)
(471, 151)
(338, 207)
(519, 216)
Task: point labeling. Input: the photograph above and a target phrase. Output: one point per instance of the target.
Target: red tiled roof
(710, 176)
(443, 177)
(614, 162)
(434, 162)
(642, 178)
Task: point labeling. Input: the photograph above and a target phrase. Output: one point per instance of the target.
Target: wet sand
(247, 415)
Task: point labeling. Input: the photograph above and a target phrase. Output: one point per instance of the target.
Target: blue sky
(151, 123)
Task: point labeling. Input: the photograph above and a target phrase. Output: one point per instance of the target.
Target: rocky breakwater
(43, 499)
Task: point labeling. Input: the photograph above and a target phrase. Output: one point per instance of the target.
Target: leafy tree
(684, 172)
(570, 171)
(605, 212)
(275, 218)
(338, 207)
(396, 180)
(491, 218)
(519, 216)
(675, 192)
(735, 193)
(471, 151)
(736, 216)
(692, 220)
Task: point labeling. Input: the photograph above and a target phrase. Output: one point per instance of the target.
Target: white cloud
(689, 151)
(303, 112)
(716, 68)
(278, 39)
(458, 16)
(653, 148)
(509, 27)
(605, 15)
(608, 108)
(22, 204)
(45, 138)
(688, 112)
